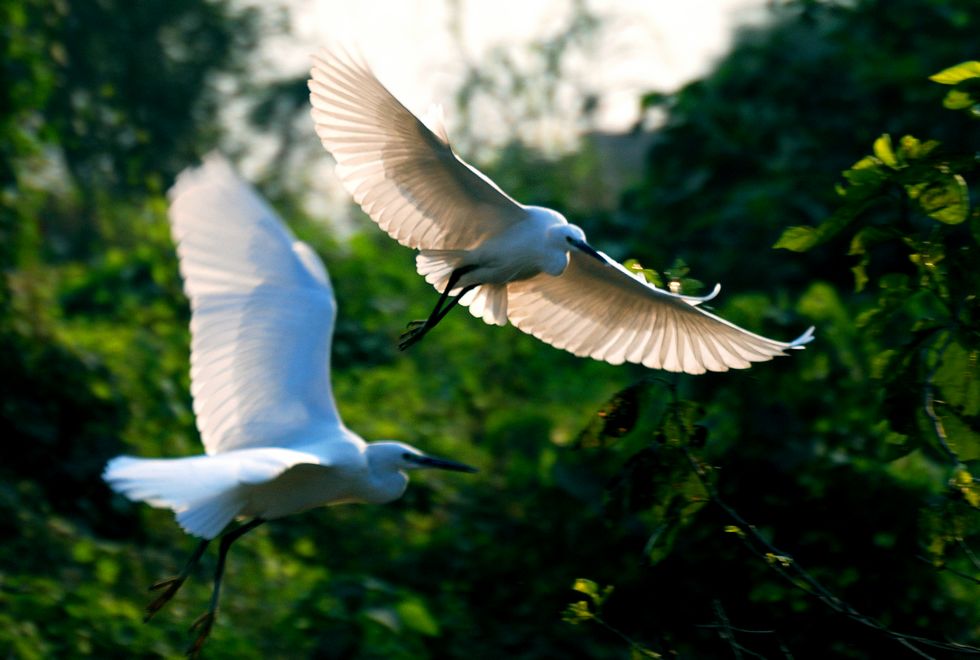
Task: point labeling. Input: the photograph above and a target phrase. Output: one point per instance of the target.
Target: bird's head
(572, 236)
(397, 456)
(566, 233)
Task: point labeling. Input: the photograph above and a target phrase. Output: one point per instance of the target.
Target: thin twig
(727, 633)
(929, 402)
(725, 630)
(747, 631)
(623, 636)
(968, 552)
(789, 569)
(944, 567)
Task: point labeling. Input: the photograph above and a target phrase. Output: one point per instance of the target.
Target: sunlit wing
(405, 176)
(600, 310)
(262, 316)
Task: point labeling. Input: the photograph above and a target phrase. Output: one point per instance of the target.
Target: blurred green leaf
(883, 150)
(650, 275)
(577, 612)
(958, 99)
(914, 149)
(966, 95)
(867, 175)
(615, 419)
(596, 594)
(861, 242)
(946, 199)
(958, 73)
(798, 239)
(415, 616)
(778, 560)
(958, 380)
(964, 482)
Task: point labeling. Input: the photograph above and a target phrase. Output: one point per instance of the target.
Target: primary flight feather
(506, 261)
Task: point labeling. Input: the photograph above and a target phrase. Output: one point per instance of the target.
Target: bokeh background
(820, 505)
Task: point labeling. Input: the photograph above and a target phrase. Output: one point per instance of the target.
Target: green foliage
(924, 322)
(966, 92)
(582, 610)
(650, 275)
(615, 419)
(590, 610)
(933, 185)
(824, 504)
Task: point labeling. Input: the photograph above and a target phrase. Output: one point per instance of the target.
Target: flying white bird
(262, 319)
(507, 262)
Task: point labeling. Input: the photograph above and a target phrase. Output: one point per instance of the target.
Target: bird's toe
(166, 582)
(416, 330)
(170, 585)
(202, 625)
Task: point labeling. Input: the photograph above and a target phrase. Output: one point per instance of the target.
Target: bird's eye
(407, 456)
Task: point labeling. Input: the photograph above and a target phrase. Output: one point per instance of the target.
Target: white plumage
(504, 260)
(262, 318)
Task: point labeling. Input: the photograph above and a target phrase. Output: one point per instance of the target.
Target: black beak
(587, 249)
(441, 463)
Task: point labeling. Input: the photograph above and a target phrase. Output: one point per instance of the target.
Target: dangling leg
(172, 584)
(451, 284)
(418, 329)
(206, 620)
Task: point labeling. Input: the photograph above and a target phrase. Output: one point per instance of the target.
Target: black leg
(172, 584)
(452, 303)
(418, 329)
(453, 280)
(437, 312)
(204, 623)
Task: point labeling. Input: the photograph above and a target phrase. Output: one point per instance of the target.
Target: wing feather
(403, 175)
(599, 309)
(262, 316)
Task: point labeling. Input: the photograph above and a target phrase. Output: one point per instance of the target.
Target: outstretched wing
(405, 176)
(600, 310)
(262, 316)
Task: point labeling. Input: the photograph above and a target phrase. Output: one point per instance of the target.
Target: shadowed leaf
(615, 419)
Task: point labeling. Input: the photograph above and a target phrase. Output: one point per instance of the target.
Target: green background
(820, 505)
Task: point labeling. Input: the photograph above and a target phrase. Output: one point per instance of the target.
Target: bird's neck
(386, 486)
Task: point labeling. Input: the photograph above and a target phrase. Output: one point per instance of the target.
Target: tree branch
(796, 575)
(946, 568)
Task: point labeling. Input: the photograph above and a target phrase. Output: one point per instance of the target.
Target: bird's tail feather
(203, 492)
(207, 517)
(488, 302)
(437, 265)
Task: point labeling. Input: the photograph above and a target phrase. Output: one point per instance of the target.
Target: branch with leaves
(787, 567)
(590, 610)
(618, 417)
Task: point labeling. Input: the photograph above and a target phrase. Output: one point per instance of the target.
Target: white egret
(262, 319)
(507, 262)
